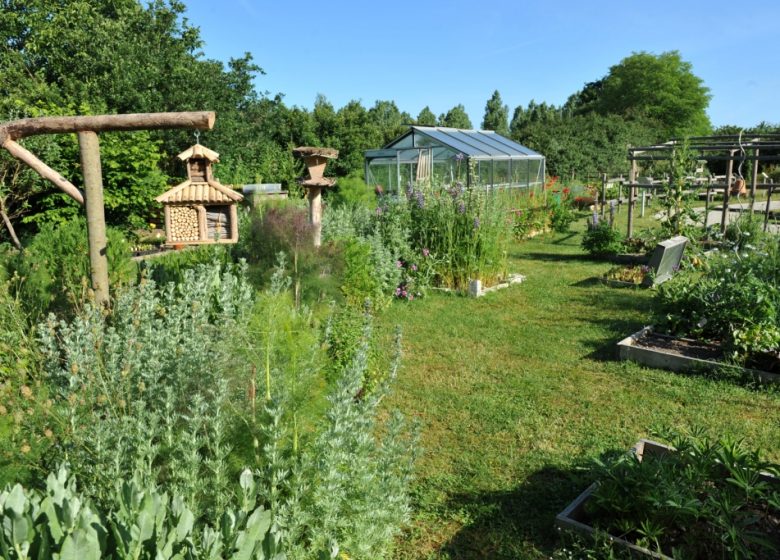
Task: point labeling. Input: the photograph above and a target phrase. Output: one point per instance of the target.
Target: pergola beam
(23, 128)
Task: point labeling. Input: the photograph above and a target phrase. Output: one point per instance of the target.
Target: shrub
(466, 230)
(352, 190)
(360, 281)
(170, 266)
(561, 213)
(139, 389)
(602, 239)
(52, 273)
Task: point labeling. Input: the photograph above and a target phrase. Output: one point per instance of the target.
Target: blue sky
(439, 53)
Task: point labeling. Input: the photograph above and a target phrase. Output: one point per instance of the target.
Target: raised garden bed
(764, 523)
(679, 354)
(574, 517)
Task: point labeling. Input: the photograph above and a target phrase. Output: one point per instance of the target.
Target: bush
(171, 266)
(561, 213)
(352, 190)
(139, 390)
(602, 240)
(52, 273)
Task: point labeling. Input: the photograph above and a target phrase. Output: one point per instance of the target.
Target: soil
(680, 346)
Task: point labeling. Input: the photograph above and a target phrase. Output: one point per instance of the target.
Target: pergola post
(726, 192)
(631, 182)
(89, 148)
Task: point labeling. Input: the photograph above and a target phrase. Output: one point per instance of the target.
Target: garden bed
(679, 354)
(576, 518)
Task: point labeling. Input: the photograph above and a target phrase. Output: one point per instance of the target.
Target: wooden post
(753, 184)
(631, 182)
(603, 193)
(96, 219)
(729, 173)
(768, 206)
(707, 204)
(315, 213)
(234, 222)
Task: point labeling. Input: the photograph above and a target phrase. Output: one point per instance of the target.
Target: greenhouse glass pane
(501, 173)
(535, 172)
(405, 142)
(484, 169)
(454, 142)
(520, 172)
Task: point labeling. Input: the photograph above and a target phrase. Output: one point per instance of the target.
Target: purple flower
(459, 156)
(398, 291)
(379, 210)
(461, 208)
(420, 199)
(414, 268)
(399, 264)
(476, 223)
(426, 252)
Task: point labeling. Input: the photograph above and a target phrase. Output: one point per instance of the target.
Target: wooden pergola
(87, 127)
(732, 149)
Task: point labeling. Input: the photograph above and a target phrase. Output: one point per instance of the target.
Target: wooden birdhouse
(200, 210)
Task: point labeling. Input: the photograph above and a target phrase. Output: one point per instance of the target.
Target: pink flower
(426, 252)
(398, 264)
(414, 267)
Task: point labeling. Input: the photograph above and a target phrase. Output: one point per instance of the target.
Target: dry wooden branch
(23, 154)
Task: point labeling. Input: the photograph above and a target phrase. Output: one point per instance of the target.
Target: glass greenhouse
(446, 155)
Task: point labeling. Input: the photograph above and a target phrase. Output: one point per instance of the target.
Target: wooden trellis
(730, 149)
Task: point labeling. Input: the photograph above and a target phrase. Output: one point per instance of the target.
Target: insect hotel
(200, 210)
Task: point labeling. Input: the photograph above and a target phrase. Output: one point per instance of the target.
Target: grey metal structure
(447, 155)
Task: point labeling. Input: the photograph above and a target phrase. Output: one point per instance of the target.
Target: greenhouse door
(218, 222)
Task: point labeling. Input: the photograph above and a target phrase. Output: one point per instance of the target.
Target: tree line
(124, 56)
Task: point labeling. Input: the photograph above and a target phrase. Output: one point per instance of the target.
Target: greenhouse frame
(447, 155)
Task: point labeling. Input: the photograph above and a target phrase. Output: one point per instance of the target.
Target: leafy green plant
(561, 211)
(52, 273)
(602, 239)
(139, 522)
(139, 389)
(360, 284)
(736, 302)
(706, 499)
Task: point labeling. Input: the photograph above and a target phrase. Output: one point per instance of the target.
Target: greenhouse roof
(477, 144)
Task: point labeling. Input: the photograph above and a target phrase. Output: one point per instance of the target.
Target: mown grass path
(517, 391)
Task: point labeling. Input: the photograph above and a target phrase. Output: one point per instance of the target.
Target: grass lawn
(516, 392)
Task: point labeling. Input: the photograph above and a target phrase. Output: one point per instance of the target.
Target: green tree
(496, 115)
(455, 118)
(659, 88)
(426, 117)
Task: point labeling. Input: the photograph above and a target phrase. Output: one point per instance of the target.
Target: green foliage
(464, 229)
(23, 429)
(705, 500)
(140, 389)
(352, 190)
(736, 302)
(426, 117)
(661, 88)
(455, 118)
(602, 240)
(172, 265)
(52, 273)
(561, 212)
(496, 115)
(360, 283)
(139, 523)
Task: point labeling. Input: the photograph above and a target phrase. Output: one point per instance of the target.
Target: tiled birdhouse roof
(208, 192)
(199, 151)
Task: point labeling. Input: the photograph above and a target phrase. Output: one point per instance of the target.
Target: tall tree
(496, 115)
(660, 88)
(426, 117)
(455, 118)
